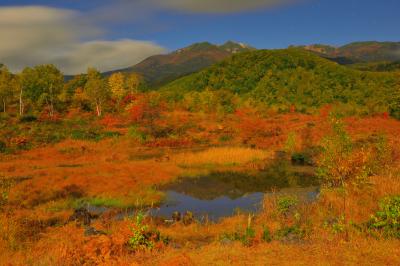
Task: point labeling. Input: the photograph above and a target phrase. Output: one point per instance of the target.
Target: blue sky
(166, 25)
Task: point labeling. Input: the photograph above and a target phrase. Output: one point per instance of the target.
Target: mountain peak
(235, 47)
(200, 46)
(231, 47)
(160, 69)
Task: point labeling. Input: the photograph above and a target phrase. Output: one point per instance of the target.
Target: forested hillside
(292, 77)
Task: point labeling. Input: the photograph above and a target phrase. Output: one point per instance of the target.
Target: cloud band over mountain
(74, 40)
(40, 35)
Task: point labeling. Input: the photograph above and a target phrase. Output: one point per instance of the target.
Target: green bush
(387, 219)
(136, 134)
(301, 159)
(246, 238)
(225, 138)
(110, 134)
(290, 232)
(89, 134)
(3, 147)
(285, 204)
(28, 118)
(142, 238)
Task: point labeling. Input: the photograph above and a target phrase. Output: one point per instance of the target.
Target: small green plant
(139, 240)
(225, 138)
(142, 237)
(136, 134)
(285, 204)
(336, 225)
(387, 219)
(290, 233)
(266, 236)
(247, 237)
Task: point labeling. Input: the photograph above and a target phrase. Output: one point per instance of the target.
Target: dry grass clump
(221, 156)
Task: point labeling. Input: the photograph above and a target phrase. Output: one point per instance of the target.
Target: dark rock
(82, 217)
(90, 231)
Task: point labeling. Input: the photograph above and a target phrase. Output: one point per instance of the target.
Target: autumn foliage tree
(6, 87)
(70, 89)
(116, 83)
(345, 164)
(52, 81)
(96, 89)
(41, 85)
(133, 82)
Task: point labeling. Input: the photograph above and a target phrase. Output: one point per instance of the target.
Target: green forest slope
(291, 76)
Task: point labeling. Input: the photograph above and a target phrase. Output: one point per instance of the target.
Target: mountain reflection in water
(221, 194)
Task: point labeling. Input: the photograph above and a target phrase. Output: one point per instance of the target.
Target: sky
(113, 34)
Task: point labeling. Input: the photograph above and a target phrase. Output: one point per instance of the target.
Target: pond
(220, 194)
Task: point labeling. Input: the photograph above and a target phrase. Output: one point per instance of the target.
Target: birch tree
(96, 89)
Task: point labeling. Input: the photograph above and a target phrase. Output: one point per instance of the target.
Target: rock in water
(188, 218)
(82, 217)
(176, 216)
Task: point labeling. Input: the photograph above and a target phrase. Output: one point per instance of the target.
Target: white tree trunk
(21, 104)
(98, 109)
(51, 107)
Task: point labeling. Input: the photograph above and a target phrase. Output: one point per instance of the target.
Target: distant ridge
(160, 69)
(358, 52)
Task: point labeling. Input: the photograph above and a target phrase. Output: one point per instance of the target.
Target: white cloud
(33, 35)
(106, 55)
(218, 6)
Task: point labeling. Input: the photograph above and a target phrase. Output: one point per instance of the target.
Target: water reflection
(221, 194)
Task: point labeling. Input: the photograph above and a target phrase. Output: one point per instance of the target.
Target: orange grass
(28, 235)
(221, 156)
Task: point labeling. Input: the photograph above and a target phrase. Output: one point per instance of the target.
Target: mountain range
(160, 69)
(358, 52)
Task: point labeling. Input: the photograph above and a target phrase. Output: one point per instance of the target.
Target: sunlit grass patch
(143, 198)
(225, 156)
(105, 202)
(59, 205)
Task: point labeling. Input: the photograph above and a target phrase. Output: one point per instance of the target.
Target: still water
(220, 194)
